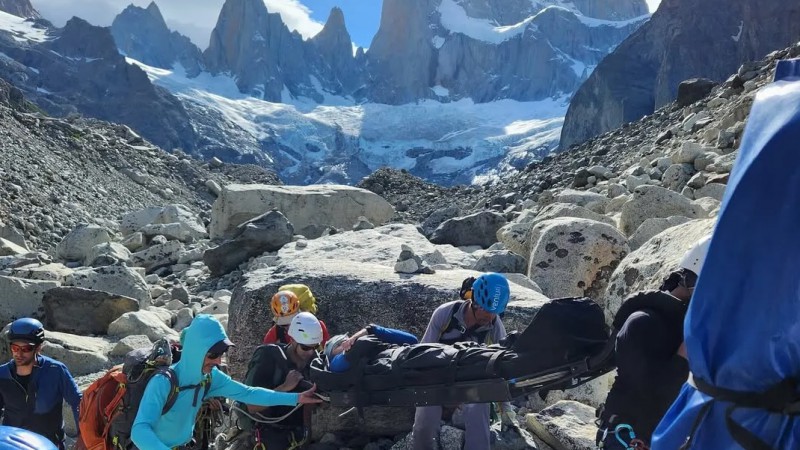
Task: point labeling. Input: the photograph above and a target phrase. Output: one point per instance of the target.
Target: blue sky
(196, 18)
(362, 17)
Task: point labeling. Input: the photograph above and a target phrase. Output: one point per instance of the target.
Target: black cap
(221, 346)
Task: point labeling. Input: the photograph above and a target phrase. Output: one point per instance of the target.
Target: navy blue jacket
(38, 408)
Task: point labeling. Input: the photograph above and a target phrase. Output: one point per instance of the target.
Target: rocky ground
(113, 243)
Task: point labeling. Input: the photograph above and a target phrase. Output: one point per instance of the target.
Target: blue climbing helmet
(26, 329)
(491, 292)
(12, 438)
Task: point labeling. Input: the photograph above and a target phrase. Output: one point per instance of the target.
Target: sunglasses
(214, 355)
(308, 348)
(26, 348)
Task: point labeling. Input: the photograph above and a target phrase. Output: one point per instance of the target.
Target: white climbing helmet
(694, 258)
(305, 329)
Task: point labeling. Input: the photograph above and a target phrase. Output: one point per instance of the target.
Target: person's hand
(347, 344)
(307, 397)
(214, 404)
(292, 379)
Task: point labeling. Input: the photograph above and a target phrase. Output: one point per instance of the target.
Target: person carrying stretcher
(476, 319)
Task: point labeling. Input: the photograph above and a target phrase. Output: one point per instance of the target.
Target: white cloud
(296, 16)
(653, 5)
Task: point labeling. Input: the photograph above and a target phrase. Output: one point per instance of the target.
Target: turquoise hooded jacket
(153, 431)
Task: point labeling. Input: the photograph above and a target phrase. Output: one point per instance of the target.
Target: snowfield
(450, 142)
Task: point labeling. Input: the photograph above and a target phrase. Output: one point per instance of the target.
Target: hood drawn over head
(198, 338)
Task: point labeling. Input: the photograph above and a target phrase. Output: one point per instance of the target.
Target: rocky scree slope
(56, 173)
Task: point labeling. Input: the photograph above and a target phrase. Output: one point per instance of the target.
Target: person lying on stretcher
(337, 349)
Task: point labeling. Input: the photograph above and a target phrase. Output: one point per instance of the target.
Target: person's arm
(72, 394)
(155, 395)
(339, 363)
(272, 336)
(640, 357)
(392, 336)
(436, 324)
(223, 386)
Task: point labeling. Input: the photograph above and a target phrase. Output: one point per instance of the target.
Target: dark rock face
(143, 35)
(19, 8)
(80, 71)
(548, 57)
(682, 40)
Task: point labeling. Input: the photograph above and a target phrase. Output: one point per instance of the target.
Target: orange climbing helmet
(284, 305)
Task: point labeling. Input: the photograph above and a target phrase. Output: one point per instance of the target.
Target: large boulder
(11, 233)
(172, 221)
(380, 245)
(8, 248)
(343, 287)
(574, 257)
(47, 272)
(106, 254)
(84, 311)
(116, 279)
(590, 200)
(81, 354)
(145, 323)
(646, 267)
(309, 208)
(694, 89)
(566, 425)
(475, 229)
(265, 233)
(652, 227)
(158, 255)
(77, 244)
(22, 298)
(516, 235)
(378, 421)
(500, 261)
(653, 201)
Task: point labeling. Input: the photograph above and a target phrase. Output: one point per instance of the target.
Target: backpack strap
(281, 365)
(466, 333)
(452, 323)
(176, 389)
(173, 388)
(780, 398)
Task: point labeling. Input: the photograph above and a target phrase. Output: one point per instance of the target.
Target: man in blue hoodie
(205, 342)
(33, 387)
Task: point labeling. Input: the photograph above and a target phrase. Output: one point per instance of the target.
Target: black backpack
(256, 370)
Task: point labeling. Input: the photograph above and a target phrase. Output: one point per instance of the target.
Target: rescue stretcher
(566, 345)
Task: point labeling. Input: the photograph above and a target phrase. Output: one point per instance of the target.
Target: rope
(267, 420)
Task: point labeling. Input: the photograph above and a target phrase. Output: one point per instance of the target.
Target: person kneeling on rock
(282, 368)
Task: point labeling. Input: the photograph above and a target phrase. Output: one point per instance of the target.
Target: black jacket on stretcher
(649, 371)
